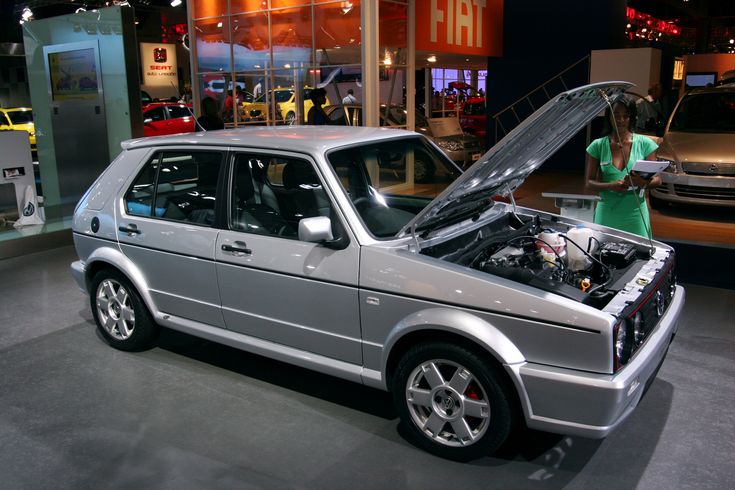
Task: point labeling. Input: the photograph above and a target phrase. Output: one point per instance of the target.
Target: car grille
(704, 192)
(708, 169)
(656, 298)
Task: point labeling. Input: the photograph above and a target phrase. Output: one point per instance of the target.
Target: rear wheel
(121, 316)
(453, 403)
(290, 118)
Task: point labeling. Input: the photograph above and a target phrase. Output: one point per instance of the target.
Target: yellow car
(19, 118)
(285, 99)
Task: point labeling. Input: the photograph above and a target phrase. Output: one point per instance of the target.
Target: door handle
(131, 229)
(239, 247)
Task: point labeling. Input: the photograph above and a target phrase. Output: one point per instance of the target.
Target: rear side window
(175, 111)
(156, 114)
(177, 185)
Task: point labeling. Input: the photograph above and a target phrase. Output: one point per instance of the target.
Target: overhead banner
(158, 62)
(470, 27)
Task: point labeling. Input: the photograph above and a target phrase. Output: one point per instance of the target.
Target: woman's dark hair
(316, 93)
(209, 106)
(630, 108)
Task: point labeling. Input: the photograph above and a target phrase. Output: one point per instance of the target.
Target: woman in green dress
(610, 161)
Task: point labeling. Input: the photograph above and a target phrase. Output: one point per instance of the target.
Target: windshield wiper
(460, 211)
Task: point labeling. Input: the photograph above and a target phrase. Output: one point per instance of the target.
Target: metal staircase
(511, 116)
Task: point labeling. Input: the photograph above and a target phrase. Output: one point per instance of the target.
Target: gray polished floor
(74, 413)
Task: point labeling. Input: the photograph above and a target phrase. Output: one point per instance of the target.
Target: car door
(272, 285)
(166, 226)
(154, 121)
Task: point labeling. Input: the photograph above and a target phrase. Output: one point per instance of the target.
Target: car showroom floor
(75, 413)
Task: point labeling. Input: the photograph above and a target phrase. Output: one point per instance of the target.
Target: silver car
(315, 246)
(700, 142)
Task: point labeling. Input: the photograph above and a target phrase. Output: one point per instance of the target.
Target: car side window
(177, 185)
(270, 195)
(156, 114)
(175, 111)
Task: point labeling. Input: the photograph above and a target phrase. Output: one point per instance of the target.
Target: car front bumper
(592, 405)
(696, 189)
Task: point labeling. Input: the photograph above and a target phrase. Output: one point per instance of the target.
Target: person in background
(610, 160)
(210, 118)
(230, 102)
(650, 112)
(186, 94)
(350, 97)
(316, 115)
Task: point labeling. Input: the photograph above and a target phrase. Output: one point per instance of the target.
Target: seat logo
(159, 55)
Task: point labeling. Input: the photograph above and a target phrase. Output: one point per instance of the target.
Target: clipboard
(648, 168)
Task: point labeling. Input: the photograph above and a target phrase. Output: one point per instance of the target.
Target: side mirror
(315, 230)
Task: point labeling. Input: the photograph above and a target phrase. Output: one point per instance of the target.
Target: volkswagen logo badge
(713, 169)
(660, 305)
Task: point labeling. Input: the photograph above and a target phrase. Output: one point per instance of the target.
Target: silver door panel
(182, 279)
(294, 293)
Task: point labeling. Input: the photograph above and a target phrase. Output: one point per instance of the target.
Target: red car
(167, 118)
(473, 118)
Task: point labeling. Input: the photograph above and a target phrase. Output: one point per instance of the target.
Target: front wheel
(290, 118)
(121, 316)
(453, 403)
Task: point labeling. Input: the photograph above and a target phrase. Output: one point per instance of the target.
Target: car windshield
(20, 117)
(712, 112)
(391, 182)
(280, 95)
(396, 116)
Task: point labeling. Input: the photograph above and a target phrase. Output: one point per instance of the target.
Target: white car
(315, 246)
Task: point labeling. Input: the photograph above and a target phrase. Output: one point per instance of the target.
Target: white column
(370, 60)
(411, 67)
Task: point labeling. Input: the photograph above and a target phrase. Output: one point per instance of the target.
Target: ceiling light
(346, 7)
(431, 59)
(175, 3)
(26, 15)
(219, 24)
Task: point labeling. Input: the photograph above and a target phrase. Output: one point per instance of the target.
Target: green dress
(625, 211)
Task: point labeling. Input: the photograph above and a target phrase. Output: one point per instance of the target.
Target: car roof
(302, 139)
(709, 90)
(161, 104)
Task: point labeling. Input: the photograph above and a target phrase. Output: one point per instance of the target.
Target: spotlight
(26, 15)
(175, 3)
(431, 59)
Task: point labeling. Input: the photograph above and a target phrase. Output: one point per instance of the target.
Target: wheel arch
(107, 258)
(451, 326)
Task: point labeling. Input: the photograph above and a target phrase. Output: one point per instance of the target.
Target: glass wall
(262, 59)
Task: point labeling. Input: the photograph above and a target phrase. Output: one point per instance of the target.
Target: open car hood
(507, 164)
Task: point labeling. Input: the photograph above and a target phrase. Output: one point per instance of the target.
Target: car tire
(423, 171)
(122, 318)
(436, 385)
(290, 118)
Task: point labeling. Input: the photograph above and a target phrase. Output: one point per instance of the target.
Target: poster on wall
(73, 74)
(159, 66)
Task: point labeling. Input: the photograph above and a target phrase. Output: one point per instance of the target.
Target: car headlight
(623, 338)
(638, 328)
(451, 145)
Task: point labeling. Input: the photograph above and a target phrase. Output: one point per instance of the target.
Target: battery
(617, 254)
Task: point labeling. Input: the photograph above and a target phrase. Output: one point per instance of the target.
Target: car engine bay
(575, 262)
